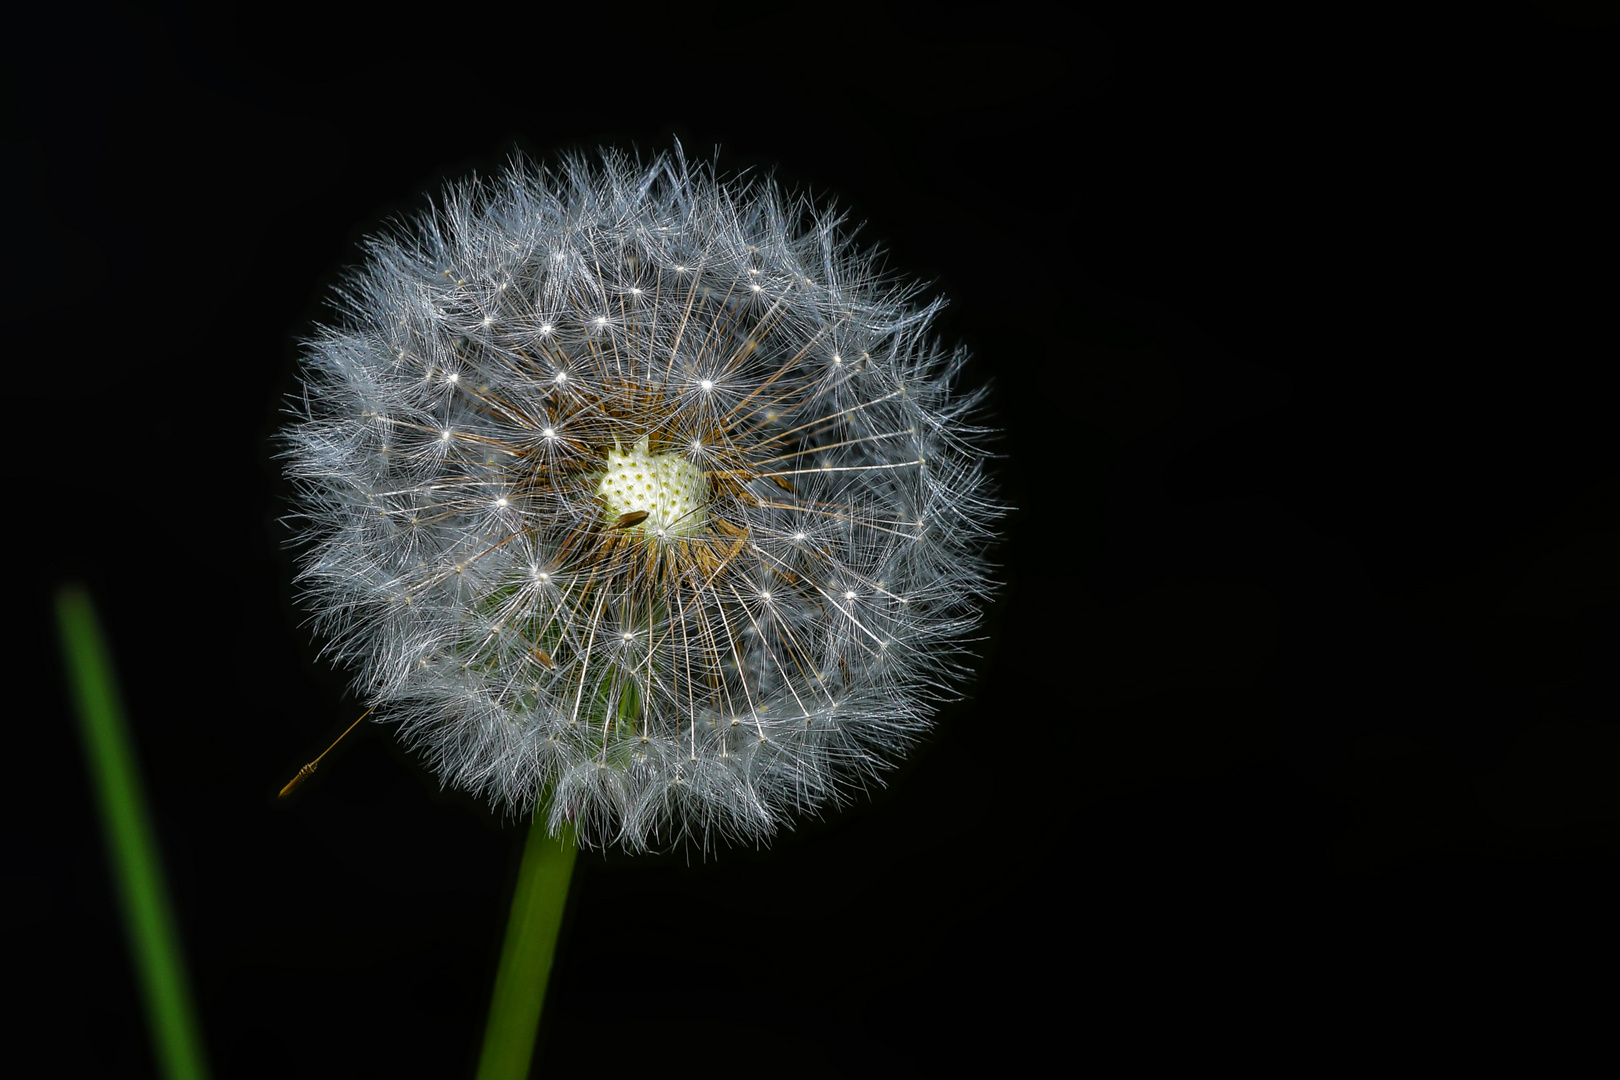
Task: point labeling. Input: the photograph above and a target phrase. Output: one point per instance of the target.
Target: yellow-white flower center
(670, 489)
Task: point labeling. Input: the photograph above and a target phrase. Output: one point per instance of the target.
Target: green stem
(531, 942)
(132, 849)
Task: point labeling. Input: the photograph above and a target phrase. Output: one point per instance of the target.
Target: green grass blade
(132, 849)
(526, 954)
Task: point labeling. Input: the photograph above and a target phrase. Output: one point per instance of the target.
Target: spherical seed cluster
(643, 492)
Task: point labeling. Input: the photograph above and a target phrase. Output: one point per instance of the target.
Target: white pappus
(641, 490)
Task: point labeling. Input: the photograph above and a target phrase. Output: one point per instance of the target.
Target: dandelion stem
(538, 903)
(132, 848)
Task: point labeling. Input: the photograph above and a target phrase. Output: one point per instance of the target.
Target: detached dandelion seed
(643, 491)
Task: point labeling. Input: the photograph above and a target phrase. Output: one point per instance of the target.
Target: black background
(1296, 721)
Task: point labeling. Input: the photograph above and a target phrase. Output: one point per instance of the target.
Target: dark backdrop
(1296, 713)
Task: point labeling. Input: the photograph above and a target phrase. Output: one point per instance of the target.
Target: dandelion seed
(646, 630)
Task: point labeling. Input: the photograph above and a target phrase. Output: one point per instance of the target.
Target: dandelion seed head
(654, 560)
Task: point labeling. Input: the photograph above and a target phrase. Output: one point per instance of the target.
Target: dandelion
(643, 492)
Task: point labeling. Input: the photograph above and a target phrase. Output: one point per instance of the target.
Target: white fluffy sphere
(642, 492)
